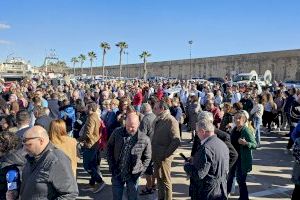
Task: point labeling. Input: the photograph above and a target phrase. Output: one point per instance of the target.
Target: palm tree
(92, 56)
(122, 46)
(74, 60)
(82, 58)
(144, 56)
(105, 46)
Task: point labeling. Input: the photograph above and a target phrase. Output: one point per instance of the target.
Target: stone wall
(283, 65)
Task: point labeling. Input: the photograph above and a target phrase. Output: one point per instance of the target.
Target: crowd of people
(137, 126)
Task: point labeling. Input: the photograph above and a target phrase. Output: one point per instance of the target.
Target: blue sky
(30, 28)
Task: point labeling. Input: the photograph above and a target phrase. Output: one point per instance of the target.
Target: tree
(82, 58)
(105, 46)
(92, 56)
(144, 56)
(122, 46)
(74, 60)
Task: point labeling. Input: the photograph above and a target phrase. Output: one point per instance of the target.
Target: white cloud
(5, 42)
(4, 26)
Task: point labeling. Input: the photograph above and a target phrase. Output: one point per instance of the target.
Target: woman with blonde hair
(59, 137)
(269, 108)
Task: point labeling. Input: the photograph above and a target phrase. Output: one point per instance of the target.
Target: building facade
(283, 65)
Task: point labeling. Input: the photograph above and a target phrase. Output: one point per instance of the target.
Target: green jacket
(246, 151)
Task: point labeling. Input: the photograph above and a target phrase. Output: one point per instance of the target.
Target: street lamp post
(190, 43)
(126, 53)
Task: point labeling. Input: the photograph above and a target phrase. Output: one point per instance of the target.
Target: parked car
(216, 80)
(156, 78)
(292, 83)
(171, 92)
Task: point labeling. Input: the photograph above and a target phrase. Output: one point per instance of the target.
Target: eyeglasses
(24, 140)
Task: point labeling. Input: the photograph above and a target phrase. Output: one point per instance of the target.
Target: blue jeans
(257, 122)
(118, 187)
(90, 163)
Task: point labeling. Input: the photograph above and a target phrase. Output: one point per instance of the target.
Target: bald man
(128, 156)
(47, 173)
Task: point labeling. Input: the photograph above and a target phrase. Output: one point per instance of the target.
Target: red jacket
(103, 135)
(160, 94)
(217, 115)
(138, 99)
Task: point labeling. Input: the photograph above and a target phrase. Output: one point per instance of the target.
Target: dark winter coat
(21, 132)
(176, 112)
(225, 137)
(146, 125)
(288, 104)
(48, 177)
(295, 112)
(227, 118)
(140, 152)
(296, 167)
(208, 171)
(111, 121)
(54, 108)
(193, 110)
(44, 121)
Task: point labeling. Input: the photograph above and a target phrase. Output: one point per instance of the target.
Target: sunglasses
(24, 140)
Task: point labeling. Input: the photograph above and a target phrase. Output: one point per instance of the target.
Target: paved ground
(270, 178)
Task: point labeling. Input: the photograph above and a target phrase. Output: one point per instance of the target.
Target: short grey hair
(205, 121)
(146, 107)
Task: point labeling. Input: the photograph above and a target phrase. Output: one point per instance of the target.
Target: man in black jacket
(23, 122)
(146, 126)
(128, 156)
(42, 119)
(47, 173)
(209, 167)
(225, 137)
(53, 106)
